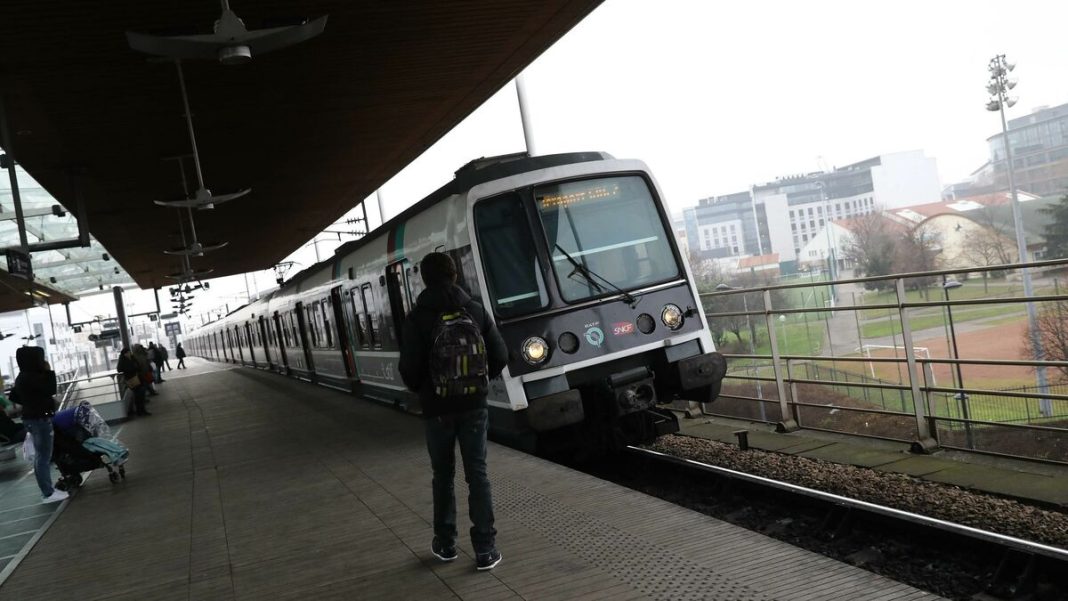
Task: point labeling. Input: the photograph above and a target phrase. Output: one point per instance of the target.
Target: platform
(246, 485)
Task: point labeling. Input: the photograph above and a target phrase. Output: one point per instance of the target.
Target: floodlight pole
(999, 75)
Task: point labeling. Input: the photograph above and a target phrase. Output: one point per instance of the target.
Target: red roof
(758, 261)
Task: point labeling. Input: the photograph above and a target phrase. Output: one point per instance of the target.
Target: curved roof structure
(312, 129)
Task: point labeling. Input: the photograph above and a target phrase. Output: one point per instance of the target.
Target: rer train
(572, 254)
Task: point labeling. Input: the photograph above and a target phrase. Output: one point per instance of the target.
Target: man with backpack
(450, 350)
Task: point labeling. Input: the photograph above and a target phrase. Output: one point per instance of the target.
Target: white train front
(574, 257)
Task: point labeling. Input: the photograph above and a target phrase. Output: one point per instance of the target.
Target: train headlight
(671, 316)
(535, 350)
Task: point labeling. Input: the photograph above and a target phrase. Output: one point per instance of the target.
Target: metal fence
(917, 397)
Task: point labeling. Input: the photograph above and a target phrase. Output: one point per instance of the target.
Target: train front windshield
(611, 227)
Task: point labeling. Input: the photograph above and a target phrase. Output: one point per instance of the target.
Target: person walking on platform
(166, 357)
(144, 366)
(132, 372)
(35, 387)
(180, 353)
(450, 350)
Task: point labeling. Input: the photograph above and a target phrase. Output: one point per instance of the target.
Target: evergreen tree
(1057, 229)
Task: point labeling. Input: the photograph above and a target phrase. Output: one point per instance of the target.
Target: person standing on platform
(35, 388)
(156, 358)
(132, 374)
(144, 365)
(166, 357)
(450, 350)
(180, 353)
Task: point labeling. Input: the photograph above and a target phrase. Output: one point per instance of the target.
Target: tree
(990, 244)
(919, 249)
(1052, 327)
(1057, 229)
(872, 248)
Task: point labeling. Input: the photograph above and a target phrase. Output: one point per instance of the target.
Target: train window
(359, 312)
(328, 336)
(513, 272)
(367, 292)
(309, 320)
(612, 228)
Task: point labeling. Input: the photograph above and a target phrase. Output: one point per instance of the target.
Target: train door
(280, 335)
(305, 340)
(343, 328)
(250, 341)
(399, 299)
(239, 345)
(263, 333)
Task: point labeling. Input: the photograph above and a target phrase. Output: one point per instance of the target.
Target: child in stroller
(82, 443)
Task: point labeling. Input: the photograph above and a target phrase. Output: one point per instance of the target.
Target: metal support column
(120, 312)
(925, 441)
(788, 423)
(524, 114)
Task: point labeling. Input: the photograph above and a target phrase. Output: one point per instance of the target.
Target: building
(783, 216)
(1040, 153)
(793, 210)
(722, 226)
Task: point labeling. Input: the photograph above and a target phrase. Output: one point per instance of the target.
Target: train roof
(473, 173)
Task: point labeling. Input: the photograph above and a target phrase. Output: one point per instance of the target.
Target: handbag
(133, 382)
(28, 450)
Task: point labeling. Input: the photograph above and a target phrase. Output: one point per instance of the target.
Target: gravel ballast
(942, 501)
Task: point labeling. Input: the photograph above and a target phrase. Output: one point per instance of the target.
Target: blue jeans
(41, 431)
(442, 434)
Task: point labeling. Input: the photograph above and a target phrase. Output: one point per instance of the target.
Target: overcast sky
(717, 96)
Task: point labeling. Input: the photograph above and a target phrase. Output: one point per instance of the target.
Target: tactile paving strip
(650, 568)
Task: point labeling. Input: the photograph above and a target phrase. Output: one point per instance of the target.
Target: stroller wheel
(122, 473)
(113, 477)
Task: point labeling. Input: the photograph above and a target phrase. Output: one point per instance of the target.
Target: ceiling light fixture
(231, 43)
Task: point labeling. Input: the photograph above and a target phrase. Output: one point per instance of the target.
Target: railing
(901, 391)
(99, 388)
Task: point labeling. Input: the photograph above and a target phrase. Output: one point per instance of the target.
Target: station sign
(105, 335)
(19, 264)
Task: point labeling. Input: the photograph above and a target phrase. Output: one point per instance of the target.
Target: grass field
(917, 321)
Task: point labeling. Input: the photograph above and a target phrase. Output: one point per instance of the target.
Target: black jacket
(415, 347)
(35, 386)
(127, 365)
(179, 352)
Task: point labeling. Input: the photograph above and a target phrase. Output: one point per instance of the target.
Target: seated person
(10, 430)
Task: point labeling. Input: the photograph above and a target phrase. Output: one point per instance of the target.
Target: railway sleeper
(839, 521)
(1015, 577)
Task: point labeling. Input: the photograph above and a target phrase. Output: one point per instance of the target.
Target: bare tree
(991, 245)
(1053, 334)
(920, 249)
(872, 247)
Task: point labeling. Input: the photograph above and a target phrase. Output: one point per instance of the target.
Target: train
(574, 257)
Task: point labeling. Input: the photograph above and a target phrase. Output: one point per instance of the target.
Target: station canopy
(60, 275)
(312, 129)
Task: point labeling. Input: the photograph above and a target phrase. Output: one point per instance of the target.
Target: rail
(891, 374)
(1010, 542)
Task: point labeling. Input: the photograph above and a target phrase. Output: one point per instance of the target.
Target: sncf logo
(622, 328)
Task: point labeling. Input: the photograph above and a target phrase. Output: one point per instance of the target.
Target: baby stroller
(82, 443)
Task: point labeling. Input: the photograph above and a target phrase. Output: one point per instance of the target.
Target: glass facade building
(1040, 152)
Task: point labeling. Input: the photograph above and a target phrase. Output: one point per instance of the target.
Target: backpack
(458, 365)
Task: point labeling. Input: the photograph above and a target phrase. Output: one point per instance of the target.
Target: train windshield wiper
(592, 278)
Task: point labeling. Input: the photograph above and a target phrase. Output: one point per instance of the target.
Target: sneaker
(443, 552)
(488, 561)
(57, 495)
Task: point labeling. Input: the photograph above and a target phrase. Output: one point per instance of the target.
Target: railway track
(949, 559)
